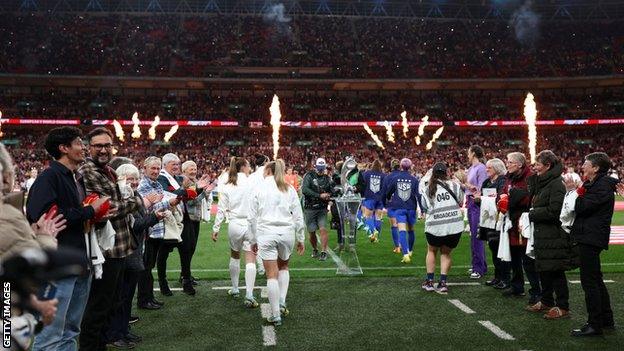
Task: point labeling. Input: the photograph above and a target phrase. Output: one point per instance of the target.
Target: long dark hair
(433, 182)
(376, 166)
(478, 152)
(236, 164)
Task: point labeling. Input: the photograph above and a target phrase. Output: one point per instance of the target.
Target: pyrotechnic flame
(530, 116)
(404, 123)
(421, 128)
(152, 131)
(136, 130)
(435, 137)
(118, 130)
(374, 136)
(389, 132)
(276, 117)
(170, 133)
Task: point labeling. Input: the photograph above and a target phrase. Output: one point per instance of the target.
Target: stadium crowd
(349, 47)
(134, 218)
(308, 106)
(210, 149)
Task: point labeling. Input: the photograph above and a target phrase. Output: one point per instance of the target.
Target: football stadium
(312, 174)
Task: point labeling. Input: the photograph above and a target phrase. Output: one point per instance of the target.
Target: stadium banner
(106, 122)
(317, 124)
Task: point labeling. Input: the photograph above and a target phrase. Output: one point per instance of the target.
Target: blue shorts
(372, 204)
(405, 216)
(391, 212)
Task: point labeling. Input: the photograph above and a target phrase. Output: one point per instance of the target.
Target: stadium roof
(576, 10)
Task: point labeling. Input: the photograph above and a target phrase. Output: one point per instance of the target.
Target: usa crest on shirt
(375, 184)
(404, 190)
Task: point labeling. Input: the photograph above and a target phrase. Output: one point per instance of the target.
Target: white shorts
(239, 236)
(272, 246)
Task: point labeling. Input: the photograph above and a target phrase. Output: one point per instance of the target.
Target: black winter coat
(594, 212)
(553, 246)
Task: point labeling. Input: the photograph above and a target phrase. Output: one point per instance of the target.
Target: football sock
(273, 291)
(234, 272)
(395, 236)
(404, 244)
(412, 239)
(250, 279)
(370, 225)
(283, 278)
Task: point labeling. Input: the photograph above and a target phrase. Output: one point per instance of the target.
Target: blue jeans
(62, 335)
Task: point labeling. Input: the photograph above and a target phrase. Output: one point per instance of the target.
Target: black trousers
(555, 289)
(520, 264)
(119, 325)
(145, 291)
(103, 300)
(502, 269)
(597, 298)
(187, 247)
(335, 222)
(161, 258)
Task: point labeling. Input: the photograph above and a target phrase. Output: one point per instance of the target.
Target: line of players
(266, 220)
(398, 192)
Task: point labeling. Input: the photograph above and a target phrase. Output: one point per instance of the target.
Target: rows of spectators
(211, 149)
(350, 47)
(307, 106)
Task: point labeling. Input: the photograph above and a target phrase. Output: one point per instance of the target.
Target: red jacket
(516, 186)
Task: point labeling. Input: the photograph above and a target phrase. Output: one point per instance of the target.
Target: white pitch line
(268, 331)
(229, 287)
(363, 268)
(579, 282)
(264, 293)
(496, 330)
(268, 335)
(265, 308)
(311, 269)
(462, 307)
(172, 289)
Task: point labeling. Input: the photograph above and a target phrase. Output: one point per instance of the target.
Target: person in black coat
(554, 252)
(591, 230)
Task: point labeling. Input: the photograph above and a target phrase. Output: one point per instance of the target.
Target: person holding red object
(518, 201)
(104, 297)
(171, 178)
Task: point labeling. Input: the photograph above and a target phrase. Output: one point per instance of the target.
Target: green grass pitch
(383, 309)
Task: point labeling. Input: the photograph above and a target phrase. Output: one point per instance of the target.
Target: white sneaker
(469, 270)
(475, 275)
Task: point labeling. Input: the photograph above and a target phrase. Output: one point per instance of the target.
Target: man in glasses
(101, 179)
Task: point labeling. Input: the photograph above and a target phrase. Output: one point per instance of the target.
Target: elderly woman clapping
(493, 187)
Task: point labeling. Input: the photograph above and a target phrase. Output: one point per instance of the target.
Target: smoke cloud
(275, 16)
(525, 23)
